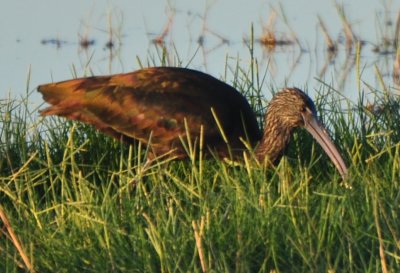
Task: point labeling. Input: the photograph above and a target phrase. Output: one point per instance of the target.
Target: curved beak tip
(314, 127)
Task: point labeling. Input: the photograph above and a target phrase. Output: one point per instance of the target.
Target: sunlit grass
(80, 201)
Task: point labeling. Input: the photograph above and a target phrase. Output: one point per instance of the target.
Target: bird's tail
(64, 97)
(71, 99)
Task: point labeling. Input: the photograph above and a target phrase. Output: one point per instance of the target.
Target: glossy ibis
(158, 101)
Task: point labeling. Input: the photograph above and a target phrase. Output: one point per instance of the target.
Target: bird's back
(157, 101)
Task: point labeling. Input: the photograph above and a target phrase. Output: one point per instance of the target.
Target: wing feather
(151, 101)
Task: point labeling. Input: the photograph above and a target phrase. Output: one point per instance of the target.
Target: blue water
(29, 29)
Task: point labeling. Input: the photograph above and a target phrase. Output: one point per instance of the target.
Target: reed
(77, 200)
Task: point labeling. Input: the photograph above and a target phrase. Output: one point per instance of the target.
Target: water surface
(44, 37)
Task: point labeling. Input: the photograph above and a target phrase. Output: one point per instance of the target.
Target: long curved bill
(314, 127)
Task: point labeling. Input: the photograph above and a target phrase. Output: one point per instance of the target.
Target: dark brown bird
(158, 101)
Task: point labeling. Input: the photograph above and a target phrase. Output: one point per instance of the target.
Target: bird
(160, 106)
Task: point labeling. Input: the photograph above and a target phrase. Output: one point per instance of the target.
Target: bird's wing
(136, 104)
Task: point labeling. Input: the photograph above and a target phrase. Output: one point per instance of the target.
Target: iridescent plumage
(158, 101)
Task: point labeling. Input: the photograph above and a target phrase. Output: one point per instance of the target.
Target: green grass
(81, 202)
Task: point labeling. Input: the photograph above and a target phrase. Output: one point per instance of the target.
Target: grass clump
(81, 202)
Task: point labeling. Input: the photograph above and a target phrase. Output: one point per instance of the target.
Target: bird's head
(291, 108)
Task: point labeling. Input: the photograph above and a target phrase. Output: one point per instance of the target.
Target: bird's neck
(274, 141)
